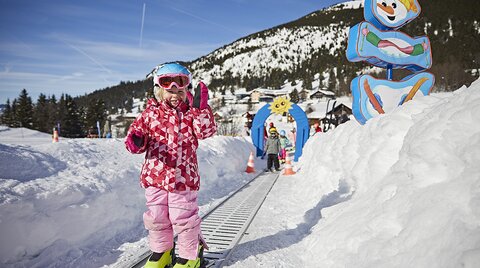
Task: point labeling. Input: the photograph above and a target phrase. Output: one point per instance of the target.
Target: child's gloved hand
(135, 141)
(200, 100)
(189, 98)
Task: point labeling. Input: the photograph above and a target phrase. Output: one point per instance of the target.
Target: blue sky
(76, 47)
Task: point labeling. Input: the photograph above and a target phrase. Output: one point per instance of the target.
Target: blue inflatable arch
(303, 129)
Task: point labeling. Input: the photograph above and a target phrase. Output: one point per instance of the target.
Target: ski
(207, 263)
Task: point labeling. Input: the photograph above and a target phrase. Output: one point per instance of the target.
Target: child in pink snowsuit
(168, 131)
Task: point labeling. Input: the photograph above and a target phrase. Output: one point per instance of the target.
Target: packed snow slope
(74, 203)
(401, 191)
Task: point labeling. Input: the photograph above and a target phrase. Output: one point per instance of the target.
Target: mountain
(313, 47)
(316, 44)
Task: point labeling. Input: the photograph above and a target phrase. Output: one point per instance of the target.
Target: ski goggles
(167, 81)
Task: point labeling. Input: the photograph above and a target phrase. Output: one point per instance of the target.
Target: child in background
(293, 138)
(272, 148)
(317, 128)
(270, 126)
(168, 131)
(284, 142)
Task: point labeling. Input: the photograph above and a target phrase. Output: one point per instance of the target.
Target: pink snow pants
(172, 211)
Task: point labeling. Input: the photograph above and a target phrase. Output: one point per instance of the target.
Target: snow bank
(414, 187)
(74, 203)
(401, 191)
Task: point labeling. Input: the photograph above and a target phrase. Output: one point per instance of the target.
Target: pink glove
(200, 100)
(135, 141)
(189, 98)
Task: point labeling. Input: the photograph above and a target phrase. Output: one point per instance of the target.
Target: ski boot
(197, 263)
(159, 260)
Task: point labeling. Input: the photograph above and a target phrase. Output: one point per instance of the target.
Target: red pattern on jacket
(171, 144)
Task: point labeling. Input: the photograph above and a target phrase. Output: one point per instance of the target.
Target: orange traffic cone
(288, 166)
(55, 136)
(250, 164)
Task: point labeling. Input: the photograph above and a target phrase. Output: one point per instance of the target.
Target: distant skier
(270, 126)
(316, 128)
(292, 136)
(168, 131)
(272, 148)
(284, 142)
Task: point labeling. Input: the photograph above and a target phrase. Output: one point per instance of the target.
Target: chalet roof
(320, 108)
(228, 97)
(316, 115)
(274, 92)
(339, 106)
(241, 91)
(323, 91)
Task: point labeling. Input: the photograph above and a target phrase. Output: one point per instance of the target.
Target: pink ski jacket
(170, 142)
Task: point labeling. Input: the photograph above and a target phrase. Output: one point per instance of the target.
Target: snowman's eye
(384, 4)
(394, 5)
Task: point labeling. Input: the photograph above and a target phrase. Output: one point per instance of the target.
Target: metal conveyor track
(224, 226)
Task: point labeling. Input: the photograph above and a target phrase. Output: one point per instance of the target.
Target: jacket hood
(152, 102)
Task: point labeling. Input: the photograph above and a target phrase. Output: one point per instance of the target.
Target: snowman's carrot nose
(387, 9)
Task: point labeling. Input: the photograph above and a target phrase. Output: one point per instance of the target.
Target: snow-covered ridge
(347, 5)
(282, 48)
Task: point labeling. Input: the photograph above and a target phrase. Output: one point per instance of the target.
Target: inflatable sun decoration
(280, 105)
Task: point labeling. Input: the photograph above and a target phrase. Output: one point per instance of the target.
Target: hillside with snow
(401, 191)
(309, 54)
(312, 48)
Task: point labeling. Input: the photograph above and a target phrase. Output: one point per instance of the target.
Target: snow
(291, 46)
(402, 190)
(355, 4)
(74, 203)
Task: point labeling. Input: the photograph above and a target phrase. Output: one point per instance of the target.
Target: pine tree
(307, 82)
(14, 122)
(332, 83)
(95, 111)
(41, 115)
(71, 123)
(61, 112)
(7, 116)
(320, 80)
(53, 117)
(129, 105)
(24, 110)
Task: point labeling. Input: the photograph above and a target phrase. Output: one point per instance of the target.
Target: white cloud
(77, 66)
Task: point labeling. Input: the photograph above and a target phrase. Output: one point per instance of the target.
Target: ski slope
(401, 191)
